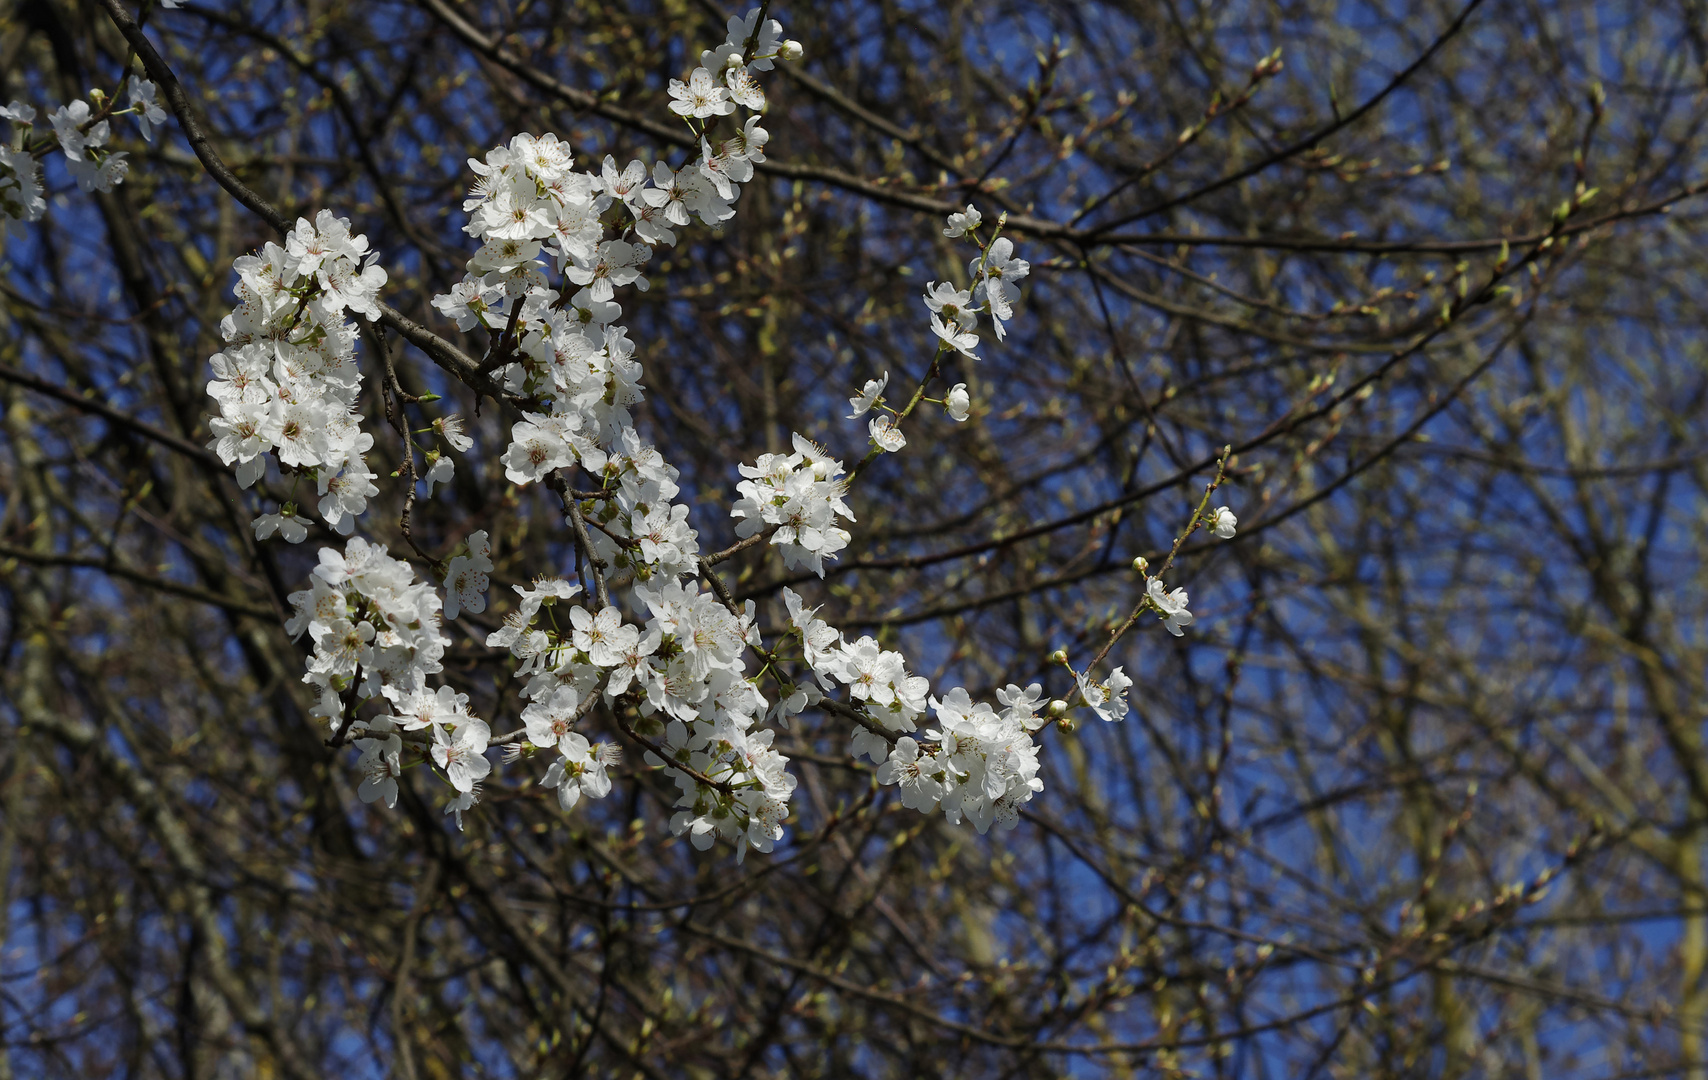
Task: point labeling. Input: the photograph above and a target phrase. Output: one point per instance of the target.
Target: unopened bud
(1059, 656)
(1141, 564)
(791, 50)
(1058, 708)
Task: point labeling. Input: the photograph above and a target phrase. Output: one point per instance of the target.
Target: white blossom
(958, 403)
(450, 428)
(743, 88)
(868, 396)
(141, 97)
(441, 468)
(291, 527)
(913, 774)
(375, 628)
(951, 335)
(553, 245)
(1222, 522)
(104, 175)
(887, 434)
(1170, 605)
(996, 275)
(700, 96)
(287, 381)
(581, 770)
(462, 754)
(1107, 699)
(381, 765)
(420, 708)
(68, 121)
(955, 305)
(466, 577)
(963, 221)
(801, 494)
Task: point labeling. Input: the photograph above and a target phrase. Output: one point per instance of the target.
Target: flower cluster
(375, 629)
(287, 381)
(982, 764)
(20, 173)
(994, 274)
(82, 134)
(562, 346)
(83, 140)
(799, 496)
(954, 320)
(978, 762)
(637, 524)
(557, 342)
(684, 673)
(555, 245)
(724, 78)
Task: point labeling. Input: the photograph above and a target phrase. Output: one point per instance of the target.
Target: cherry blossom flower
(550, 720)
(67, 121)
(462, 753)
(683, 661)
(700, 96)
(440, 470)
(912, 774)
(952, 336)
(103, 176)
(868, 396)
(381, 766)
(421, 708)
(958, 403)
(1170, 605)
(996, 275)
(291, 527)
(466, 577)
(1107, 699)
(955, 305)
(887, 434)
(141, 97)
(582, 770)
(744, 89)
(963, 221)
(1222, 522)
(450, 428)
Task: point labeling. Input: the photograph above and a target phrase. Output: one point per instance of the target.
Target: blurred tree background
(1421, 794)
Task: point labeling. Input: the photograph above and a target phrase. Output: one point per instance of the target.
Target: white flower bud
(1141, 564)
(1222, 522)
(1059, 656)
(959, 401)
(791, 50)
(1058, 707)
